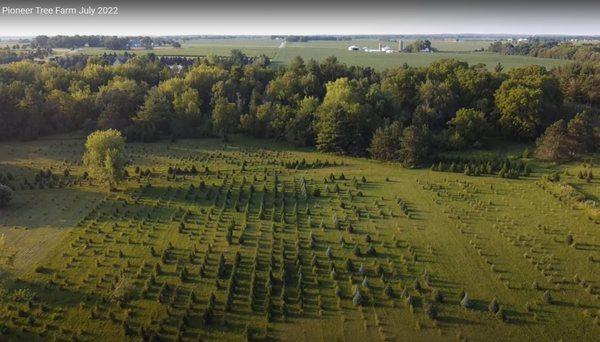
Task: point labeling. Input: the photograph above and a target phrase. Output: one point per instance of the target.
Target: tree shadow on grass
(451, 320)
(587, 246)
(573, 305)
(479, 305)
(520, 318)
(52, 294)
(51, 300)
(444, 284)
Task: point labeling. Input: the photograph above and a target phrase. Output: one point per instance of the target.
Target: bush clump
(6, 195)
(548, 297)
(125, 290)
(494, 306)
(466, 302)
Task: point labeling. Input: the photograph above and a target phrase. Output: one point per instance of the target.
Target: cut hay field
(319, 50)
(266, 242)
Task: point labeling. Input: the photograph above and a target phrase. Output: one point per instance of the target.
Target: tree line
(403, 114)
(79, 61)
(296, 38)
(109, 42)
(549, 49)
(8, 55)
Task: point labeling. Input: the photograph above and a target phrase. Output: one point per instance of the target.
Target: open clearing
(245, 249)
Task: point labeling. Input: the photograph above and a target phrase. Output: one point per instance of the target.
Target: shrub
(329, 253)
(357, 299)
(569, 239)
(417, 285)
(547, 297)
(501, 315)
(388, 291)
(207, 316)
(410, 300)
(124, 290)
(465, 302)
(6, 195)
(437, 296)
(554, 177)
(349, 265)
(333, 274)
(362, 271)
(494, 306)
(431, 311)
(338, 292)
(22, 295)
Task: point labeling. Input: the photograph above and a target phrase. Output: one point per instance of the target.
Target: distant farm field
(250, 240)
(201, 47)
(319, 50)
(382, 61)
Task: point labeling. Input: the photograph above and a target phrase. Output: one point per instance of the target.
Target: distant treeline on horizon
(95, 39)
(109, 42)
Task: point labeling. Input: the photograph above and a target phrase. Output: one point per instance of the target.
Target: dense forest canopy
(337, 108)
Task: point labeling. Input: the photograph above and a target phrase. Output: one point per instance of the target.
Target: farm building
(380, 48)
(353, 48)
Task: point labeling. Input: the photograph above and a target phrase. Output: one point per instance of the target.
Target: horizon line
(594, 35)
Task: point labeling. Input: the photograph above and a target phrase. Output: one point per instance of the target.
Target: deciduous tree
(104, 156)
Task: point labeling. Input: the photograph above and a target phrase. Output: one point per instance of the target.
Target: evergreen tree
(494, 306)
(6, 195)
(357, 298)
(465, 302)
(547, 297)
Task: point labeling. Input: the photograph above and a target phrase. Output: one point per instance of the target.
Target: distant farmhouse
(381, 48)
(422, 46)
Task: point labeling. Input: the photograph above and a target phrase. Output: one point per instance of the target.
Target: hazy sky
(176, 17)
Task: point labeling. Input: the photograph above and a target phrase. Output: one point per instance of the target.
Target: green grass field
(247, 240)
(198, 47)
(319, 50)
